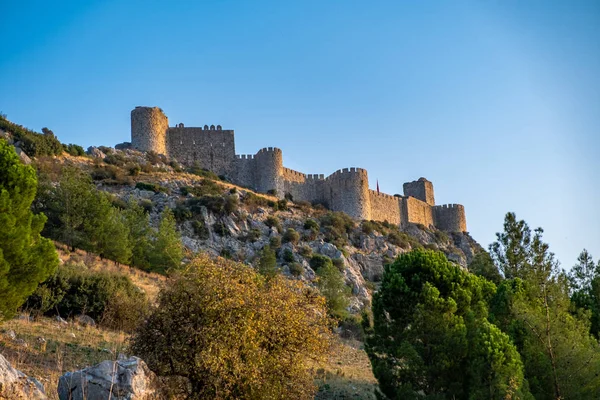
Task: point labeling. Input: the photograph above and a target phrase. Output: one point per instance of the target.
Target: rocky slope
(224, 220)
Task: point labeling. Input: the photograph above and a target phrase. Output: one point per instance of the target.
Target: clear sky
(496, 102)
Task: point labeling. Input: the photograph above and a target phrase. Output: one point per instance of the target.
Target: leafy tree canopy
(233, 334)
(431, 337)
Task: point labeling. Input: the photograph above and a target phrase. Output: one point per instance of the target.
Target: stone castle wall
(418, 212)
(385, 207)
(211, 148)
(345, 190)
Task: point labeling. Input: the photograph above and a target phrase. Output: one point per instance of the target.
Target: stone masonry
(345, 190)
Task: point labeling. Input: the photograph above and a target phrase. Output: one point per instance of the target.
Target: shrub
(338, 263)
(368, 227)
(182, 213)
(288, 256)
(147, 205)
(305, 251)
(275, 242)
(337, 227)
(291, 236)
(152, 187)
(253, 235)
(231, 204)
(226, 253)
(272, 192)
(288, 197)
(296, 269)
(204, 188)
(319, 261)
(273, 222)
(196, 170)
(74, 150)
(220, 229)
(282, 205)
(134, 169)
(235, 336)
(74, 290)
(311, 224)
(252, 200)
(441, 237)
(117, 159)
(200, 229)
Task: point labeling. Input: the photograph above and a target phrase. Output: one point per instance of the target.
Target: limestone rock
(95, 152)
(15, 385)
(370, 266)
(24, 157)
(124, 379)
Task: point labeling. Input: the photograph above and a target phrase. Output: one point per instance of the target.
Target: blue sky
(496, 102)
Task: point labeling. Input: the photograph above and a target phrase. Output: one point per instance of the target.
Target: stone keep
(345, 190)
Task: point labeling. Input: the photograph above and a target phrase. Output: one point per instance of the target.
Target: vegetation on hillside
(33, 143)
(84, 217)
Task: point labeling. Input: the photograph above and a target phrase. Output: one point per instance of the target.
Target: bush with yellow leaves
(233, 334)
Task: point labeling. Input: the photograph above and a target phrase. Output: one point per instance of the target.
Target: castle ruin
(345, 190)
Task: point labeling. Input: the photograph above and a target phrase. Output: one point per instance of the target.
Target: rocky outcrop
(15, 385)
(123, 379)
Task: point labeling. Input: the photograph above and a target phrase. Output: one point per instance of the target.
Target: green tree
(26, 258)
(267, 263)
(232, 334)
(584, 280)
(332, 286)
(140, 233)
(561, 359)
(483, 265)
(431, 337)
(168, 250)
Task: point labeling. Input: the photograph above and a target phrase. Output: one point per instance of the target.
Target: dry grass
(62, 351)
(150, 283)
(347, 374)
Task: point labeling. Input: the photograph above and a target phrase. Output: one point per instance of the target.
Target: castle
(345, 190)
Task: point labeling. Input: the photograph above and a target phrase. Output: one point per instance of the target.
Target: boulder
(85, 320)
(24, 157)
(15, 385)
(123, 379)
(95, 152)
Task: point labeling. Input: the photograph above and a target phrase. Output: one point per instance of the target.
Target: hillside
(223, 219)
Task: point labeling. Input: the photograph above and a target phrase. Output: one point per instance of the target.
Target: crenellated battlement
(348, 173)
(346, 189)
(244, 156)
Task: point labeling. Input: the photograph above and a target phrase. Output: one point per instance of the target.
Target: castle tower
(450, 218)
(269, 170)
(421, 189)
(349, 192)
(149, 129)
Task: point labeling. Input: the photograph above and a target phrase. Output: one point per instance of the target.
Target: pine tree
(431, 337)
(561, 358)
(26, 258)
(168, 251)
